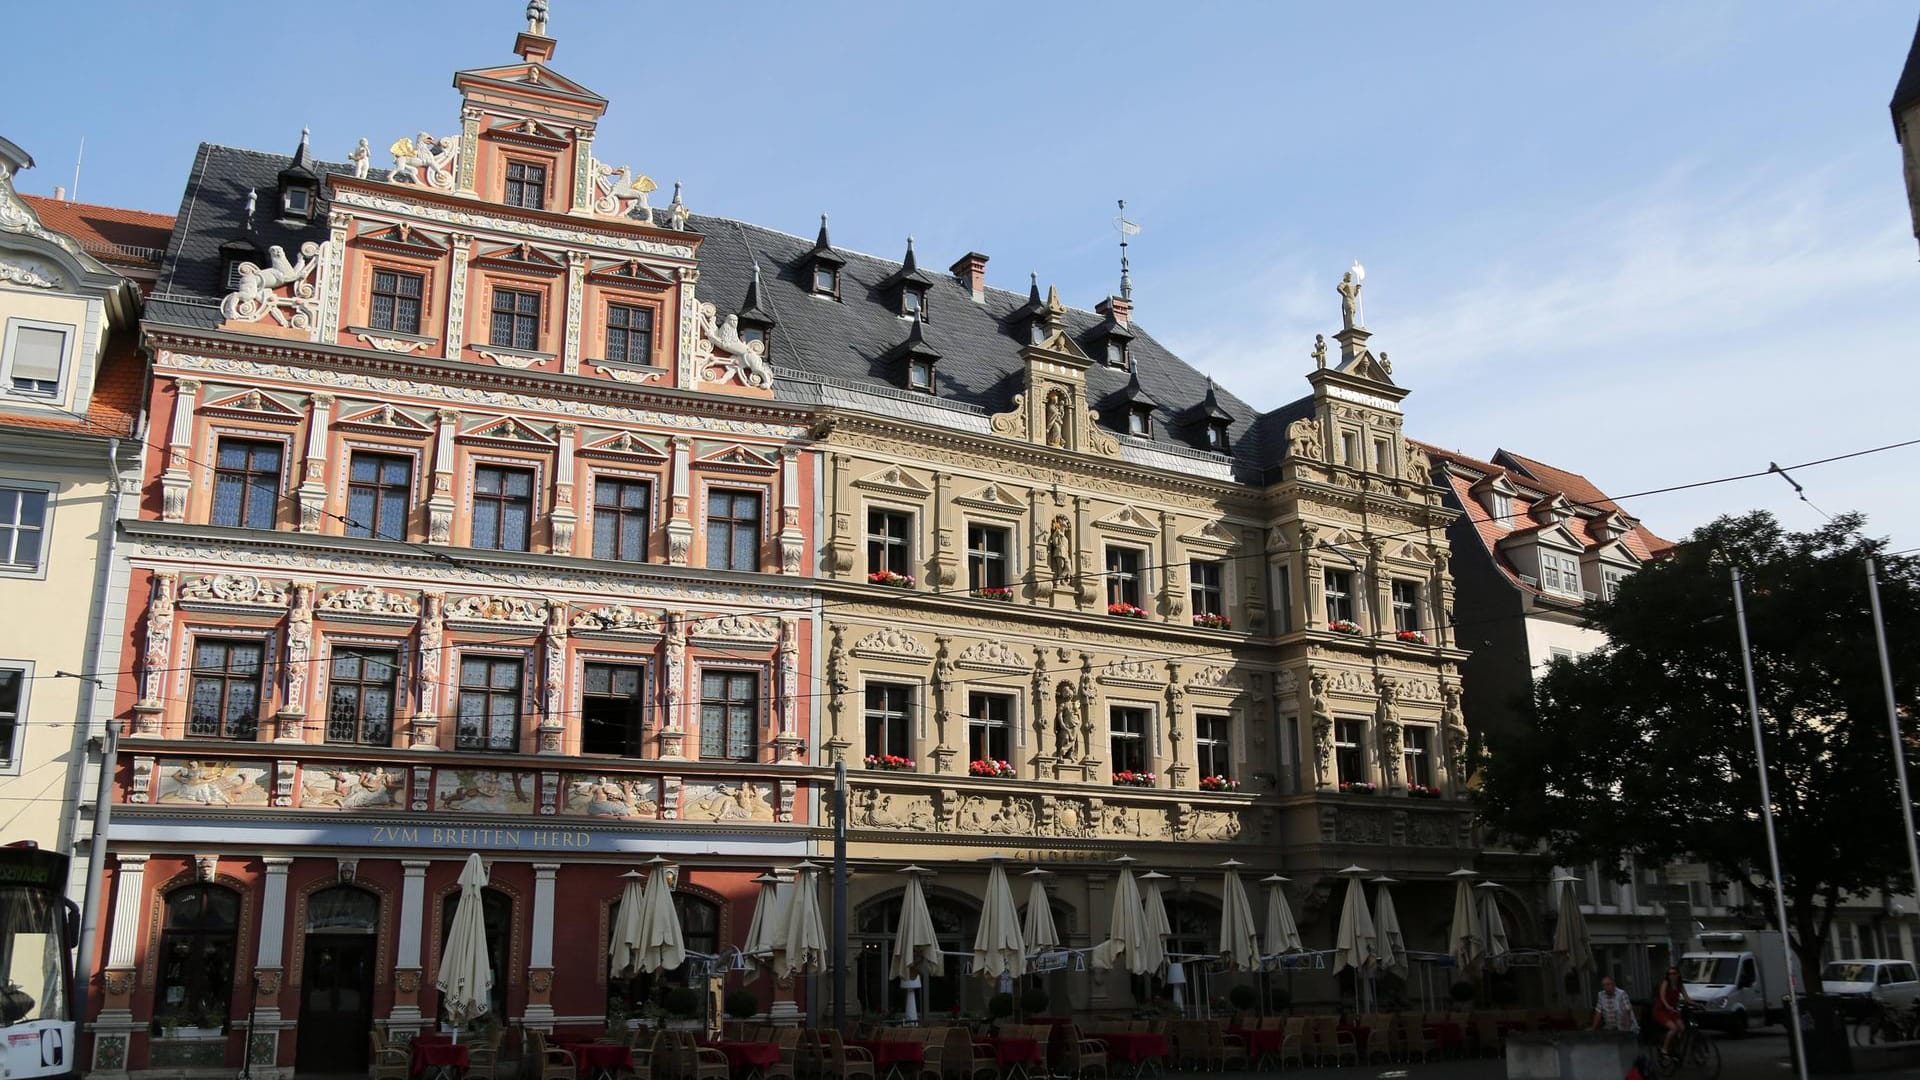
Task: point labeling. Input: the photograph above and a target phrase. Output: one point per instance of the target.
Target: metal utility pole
(1893, 725)
(840, 897)
(1766, 814)
(91, 915)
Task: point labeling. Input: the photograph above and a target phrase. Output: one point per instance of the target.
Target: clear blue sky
(1650, 242)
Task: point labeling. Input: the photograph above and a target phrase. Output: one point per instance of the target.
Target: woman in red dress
(1666, 1008)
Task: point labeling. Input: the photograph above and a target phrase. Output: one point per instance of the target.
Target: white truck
(1740, 979)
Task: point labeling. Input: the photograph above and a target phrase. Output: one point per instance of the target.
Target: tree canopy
(1645, 748)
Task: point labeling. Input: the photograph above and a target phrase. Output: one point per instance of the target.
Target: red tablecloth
(588, 1056)
(1016, 1049)
(742, 1056)
(430, 1053)
(1260, 1041)
(887, 1052)
(1446, 1034)
(1132, 1046)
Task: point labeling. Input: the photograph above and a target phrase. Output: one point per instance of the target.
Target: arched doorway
(496, 911)
(336, 980)
(954, 923)
(197, 943)
(1195, 919)
(699, 930)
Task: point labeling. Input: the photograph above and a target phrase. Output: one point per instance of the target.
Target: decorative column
(839, 550)
(333, 259)
(686, 361)
(793, 540)
(785, 1011)
(313, 471)
(1088, 579)
(787, 744)
(290, 721)
(1387, 718)
(1040, 527)
(553, 650)
(1173, 602)
(469, 150)
(563, 517)
(440, 503)
(583, 193)
(837, 676)
(576, 301)
(679, 506)
(154, 659)
(1453, 733)
(1440, 599)
(1378, 591)
(945, 691)
(114, 1028)
(673, 688)
(177, 481)
(1176, 735)
(1090, 759)
(263, 1034)
(943, 567)
(540, 950)
(1042, 686)
(406, 1018)
(423, 731)
(457, 283)
(1312, 583)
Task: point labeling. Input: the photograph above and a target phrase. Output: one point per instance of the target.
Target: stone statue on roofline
(1349, 290)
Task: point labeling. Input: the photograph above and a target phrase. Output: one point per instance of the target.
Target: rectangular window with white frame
(1406, 606)
(490, 702)
(729, 714)
(1338, 585)
(1123, 576)
(34, 357)
(26, 514)
(988, 548)
(1610, 579)
(989, 727)
(1416, 751)
(889, 543)
(1127, 738)
(1206, 579)
(889, 720)
(224, 694)
(1349, 756)
(16, 678)
(1213, 745)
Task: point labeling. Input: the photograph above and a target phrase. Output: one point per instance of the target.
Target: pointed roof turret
(1136, 395)
(823, 247)
(915, 345)
(909, 272)
(1034, 307)
(755, 309)
(1210, 406)
(301, 168)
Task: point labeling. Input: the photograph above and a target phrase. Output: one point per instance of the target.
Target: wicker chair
(962, 1057)
(552, 1062)
(483, 1058)
(1080, 1056)
(837, 1059)
(1412, 1030)
(1224, 1050)
(1293, 1042)
(695, 1062)
(1380, 1038)
(386, 1061)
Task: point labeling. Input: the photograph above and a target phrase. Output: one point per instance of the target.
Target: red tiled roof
(116, 396)
(111, 234)
(1578, 489)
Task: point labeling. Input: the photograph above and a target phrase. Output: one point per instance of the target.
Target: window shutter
(37, 354)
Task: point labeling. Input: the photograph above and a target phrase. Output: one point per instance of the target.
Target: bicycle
(1695, 1054)
(1884, 1024)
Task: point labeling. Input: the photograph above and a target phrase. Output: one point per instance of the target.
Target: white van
(1863, 982)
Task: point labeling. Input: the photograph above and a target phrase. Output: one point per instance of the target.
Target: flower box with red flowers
(891, 762)
(1130, 778)
(1219, 783)
(1208, 620)
(890, 579)
(1130, 611)
(1358, 787)
(1344, 626)
(1422, 791)
(1411, 637)
(994, 592)
(999, 770)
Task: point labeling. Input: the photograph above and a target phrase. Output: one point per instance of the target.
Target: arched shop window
(699, 928)
(197, 943)
(343, 909)
(496, 911)
(1195, 919)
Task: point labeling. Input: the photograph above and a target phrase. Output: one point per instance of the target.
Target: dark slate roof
(845, 342)
(1908, 90)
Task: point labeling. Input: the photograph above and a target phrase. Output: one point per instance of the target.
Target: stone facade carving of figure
(1419, 472)
(1066, 722)
(1056, 417)
(676, 673)
(1320, 351)
(1322, 729)
(1060, 550)
(836, 675)
(1086, 704)
(1349, 290)
(433, 629)
(1304, 438)
(537, 17)
(253, 295)
(1042, 684)
(362, 158)
(1387, 717)
(159, 644)
(1455, 729)
(299, 647)
(616, 185)
(425, 160)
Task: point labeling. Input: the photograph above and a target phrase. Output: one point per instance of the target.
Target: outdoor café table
(599, 1060)
(1260, 1041)
(747, 1059)
(890, 1055)
(1013, 1053)
(1446, 1034)
(436, 1057)
(1138, 1049)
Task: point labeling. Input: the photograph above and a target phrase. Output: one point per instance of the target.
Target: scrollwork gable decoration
(32, 273)
(524, 258)
(1128, 519)
(1013, 423)
(404, 239)
(1217, 680)
(385, 420)
(497, 608)
(252, 405)
(232, 590)
(259, 293)
(369, 602)
(994, 655)
(1212, 536)
(745, 628)
(721, 355)
(507, 432)
(1132, 670)
(732, 457)
(624, 446)
(614, 619)
(892, 643)
(893, 480)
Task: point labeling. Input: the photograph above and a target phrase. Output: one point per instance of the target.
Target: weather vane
(1126, 228)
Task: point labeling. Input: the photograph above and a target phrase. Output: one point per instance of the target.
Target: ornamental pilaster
(576, 301)
(553, 654)
(312, 493)
(457, 281)
(583, 193)
(440, 504)
(839, 552)
(787, 743)
(943, 567)
(177, 481)
(291, 719)
(155, 657)
(687, 363)
(423, 730)
(1087, 579)
(1176, 732)
(1173, 603)
(673, 731)
(793, 540)
(469, 150)
(564, 517)
(946, 690)
(407, 934)
(1042, 688)
(332, 276)
(837, 676)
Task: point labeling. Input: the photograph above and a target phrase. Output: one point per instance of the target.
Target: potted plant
(1344, 626)
(1209, 620)
(994, 592)
(1034, 1001)
(889, 762)
(1422, 791)
(683, 1004)
(1358, 787)
(1411, 637)
(999, 1007)
(741, 1004)
(890, 579)
(1217, 782)
(1243, 998)
(988, 767)
(1127, 611)
(1134, 778)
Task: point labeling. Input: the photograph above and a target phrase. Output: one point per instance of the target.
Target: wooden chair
(837, 1059)
(552, 1062)
(695, 1062)
(386, 1062)
(1080, 1056)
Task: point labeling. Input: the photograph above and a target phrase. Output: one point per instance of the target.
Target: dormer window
(1217, 436)
(1499, 506)
(916, 359)
(1140, 420)
(823, 265)
(298, 183)
(526, 185)
(826, 280)
(920, 375)
(909, 286)
(296, 202)
(913, 302)
(1116, 352)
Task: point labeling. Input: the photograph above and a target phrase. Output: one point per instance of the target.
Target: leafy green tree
(1645, 747)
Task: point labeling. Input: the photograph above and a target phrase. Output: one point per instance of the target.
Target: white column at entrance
(263, 1037)
(114, 1028)
(127, 909)
(540, 950)
(406, 958)
(273, 912)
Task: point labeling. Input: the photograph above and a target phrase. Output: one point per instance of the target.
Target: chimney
(971, 271)
(1117, 308)
(60, 193)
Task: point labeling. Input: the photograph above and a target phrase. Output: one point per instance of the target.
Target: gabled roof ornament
(755, 309)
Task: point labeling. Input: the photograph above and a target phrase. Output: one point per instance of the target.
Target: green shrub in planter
(742, 1005)
(1243, 997)
(1279, 1001)
(683, 1002)
(1461, 992)
(1000, 1006)
(1034, 1000)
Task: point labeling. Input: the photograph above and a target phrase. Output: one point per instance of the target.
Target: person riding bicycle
(1667, 1002)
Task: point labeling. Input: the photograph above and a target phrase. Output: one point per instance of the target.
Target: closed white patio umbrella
(1356, 945)
(1386, 928)
(623, 950)
(801, 943)
(1570, 941)
(1495, 928)
(916, 948)
(465, 981)
(1153, 913)
(1126, 928)
(998, 949)
(1038, 933)
(1283, 935)
(1239, 940)
(1463, 935)
(662, 947)
(765, 928)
